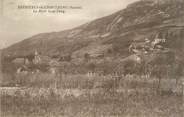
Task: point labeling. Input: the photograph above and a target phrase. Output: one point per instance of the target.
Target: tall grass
(49, 95)
(81, 81)
(106, 104)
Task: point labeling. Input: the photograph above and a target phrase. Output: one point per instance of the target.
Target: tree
(176, 71)
(159, 71)
(91, 67)
(109, 51)
(130, 67)
(87, 56)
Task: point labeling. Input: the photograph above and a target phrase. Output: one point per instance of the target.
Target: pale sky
(17, 24)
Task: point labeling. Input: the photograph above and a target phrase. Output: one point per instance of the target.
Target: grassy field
(46, 95)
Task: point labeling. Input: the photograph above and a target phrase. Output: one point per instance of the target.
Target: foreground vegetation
(46, 95)
(106, 104)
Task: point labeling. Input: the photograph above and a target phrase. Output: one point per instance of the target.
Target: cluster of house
(37, 59)
(147, 45)
(27, 59)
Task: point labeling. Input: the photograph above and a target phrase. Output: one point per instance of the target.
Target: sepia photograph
(91, 58)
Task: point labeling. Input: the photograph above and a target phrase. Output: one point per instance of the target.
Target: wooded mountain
(140, 21)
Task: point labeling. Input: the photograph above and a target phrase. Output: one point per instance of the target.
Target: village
(52, 64)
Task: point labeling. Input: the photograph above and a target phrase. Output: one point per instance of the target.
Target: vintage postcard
(91, 58)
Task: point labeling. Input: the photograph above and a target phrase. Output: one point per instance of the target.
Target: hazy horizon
(17, 25)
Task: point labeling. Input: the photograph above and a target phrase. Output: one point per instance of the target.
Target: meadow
(48, 95)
